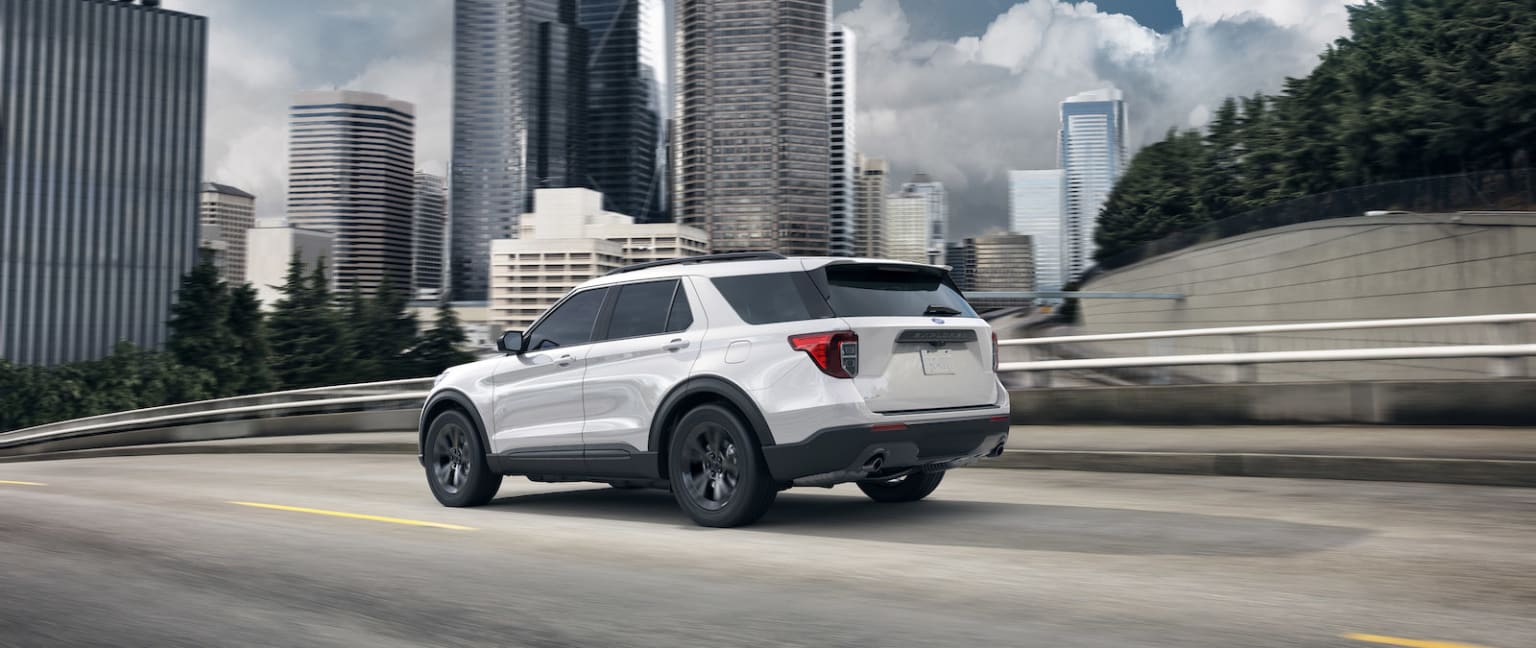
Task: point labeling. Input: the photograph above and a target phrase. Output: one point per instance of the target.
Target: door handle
(675, 345)
(564, 361)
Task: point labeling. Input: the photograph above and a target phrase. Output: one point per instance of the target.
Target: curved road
(153, 551)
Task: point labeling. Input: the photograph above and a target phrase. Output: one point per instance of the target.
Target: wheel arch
(441, 401)
(697, 391)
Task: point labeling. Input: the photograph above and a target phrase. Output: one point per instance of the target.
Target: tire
(454, 457)
(909, 488)
(716, 468)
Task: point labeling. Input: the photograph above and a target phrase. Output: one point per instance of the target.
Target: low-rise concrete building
(566, 240)
(271, 245)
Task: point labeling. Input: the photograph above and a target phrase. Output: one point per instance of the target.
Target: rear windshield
(890, 290)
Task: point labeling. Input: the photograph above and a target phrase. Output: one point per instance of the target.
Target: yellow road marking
(356, 516)
(20, 483)
(1409, 643)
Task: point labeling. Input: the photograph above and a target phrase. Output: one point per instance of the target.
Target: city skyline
(994, 105)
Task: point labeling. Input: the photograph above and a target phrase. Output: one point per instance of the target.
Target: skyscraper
(519, 86)
(844, 213)
(626, 95)
(229, 212)
(1092, 159)
(906, 227)
(101, 141)
(429, 227)
(351, 168)
(752, 154)
(938, 212)
(869, 205)
(1035, 208)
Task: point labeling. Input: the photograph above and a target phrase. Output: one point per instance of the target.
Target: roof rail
(706, 258)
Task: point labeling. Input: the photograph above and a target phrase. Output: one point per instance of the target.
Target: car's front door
(651, 339)
(538, 393)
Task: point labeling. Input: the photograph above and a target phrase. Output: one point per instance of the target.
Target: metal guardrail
(1508, 357)
(224, 418)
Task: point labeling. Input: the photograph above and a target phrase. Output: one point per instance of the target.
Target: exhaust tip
(875, 462)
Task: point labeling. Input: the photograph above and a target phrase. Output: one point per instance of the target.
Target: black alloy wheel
(717, 470)
(455, 461)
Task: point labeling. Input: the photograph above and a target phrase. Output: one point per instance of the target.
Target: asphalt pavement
(351, 550)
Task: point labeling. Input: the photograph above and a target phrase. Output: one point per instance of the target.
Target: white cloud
(1322, 20)
(260, 54)
(966, 111)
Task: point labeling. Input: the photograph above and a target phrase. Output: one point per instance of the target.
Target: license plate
(937, 362)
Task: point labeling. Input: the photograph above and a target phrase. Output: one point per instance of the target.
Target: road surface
(350, 550)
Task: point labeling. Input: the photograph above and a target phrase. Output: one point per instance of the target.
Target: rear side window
(890, 290)
(641, 309)
(771, 298)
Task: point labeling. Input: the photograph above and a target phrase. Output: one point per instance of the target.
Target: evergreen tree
(358, 326)
(441, 346)
(248, 325)
(1419, 88)
(308, 342)
(199, 326)
(1156, 196)
(392, 332)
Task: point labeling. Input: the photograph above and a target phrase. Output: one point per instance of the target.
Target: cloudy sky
(961, 89)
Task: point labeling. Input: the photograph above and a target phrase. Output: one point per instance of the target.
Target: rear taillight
(836, 353)
(995, 354)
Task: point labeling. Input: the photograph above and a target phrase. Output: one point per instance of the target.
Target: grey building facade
(101, 115)
(428, 240)
(751, 153)
(351, 172)
(519, 70)
(625, 104)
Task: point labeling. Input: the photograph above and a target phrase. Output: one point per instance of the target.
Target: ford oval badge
(937, 321)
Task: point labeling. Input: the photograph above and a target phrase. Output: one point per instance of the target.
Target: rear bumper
(842, 454)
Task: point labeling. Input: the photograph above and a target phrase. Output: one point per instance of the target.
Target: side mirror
(511, 342)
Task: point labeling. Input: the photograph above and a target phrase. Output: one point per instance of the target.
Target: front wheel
(906, 488)
(717, 471)
(455, 462)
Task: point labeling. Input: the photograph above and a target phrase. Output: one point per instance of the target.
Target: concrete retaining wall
(1469, 402)
(1410, 265)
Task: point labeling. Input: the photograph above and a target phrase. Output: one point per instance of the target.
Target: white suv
(728, 378)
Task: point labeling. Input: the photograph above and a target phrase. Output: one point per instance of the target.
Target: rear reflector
(888, 427)
(998, 419)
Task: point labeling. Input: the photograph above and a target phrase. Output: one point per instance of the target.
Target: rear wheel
(717, 471)
(906, 488)
(455, 462)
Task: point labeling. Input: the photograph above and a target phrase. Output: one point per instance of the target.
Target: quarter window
(681, 316)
